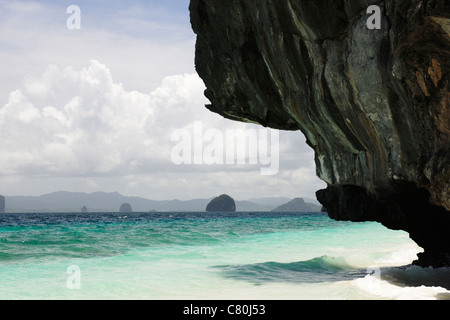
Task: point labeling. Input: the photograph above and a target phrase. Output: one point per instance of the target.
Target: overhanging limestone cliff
(374, 104)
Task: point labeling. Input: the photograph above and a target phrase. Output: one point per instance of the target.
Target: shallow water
(199, 255)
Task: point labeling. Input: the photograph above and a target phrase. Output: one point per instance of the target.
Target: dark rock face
(374, 104)
(222, 203)
(2, 204)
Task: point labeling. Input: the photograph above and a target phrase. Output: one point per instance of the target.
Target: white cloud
(83, 123)
(94, 109)
(137, 48)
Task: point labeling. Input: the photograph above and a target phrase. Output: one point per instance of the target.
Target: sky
(109, 100)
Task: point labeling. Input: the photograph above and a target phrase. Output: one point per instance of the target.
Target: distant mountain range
(63, 201)
(297, 205)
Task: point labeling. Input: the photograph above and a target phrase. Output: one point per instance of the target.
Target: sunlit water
(208, 256)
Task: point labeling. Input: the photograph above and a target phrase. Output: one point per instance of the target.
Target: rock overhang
(372, 103)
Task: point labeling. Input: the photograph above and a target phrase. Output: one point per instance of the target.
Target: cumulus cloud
(81, 122)
(95, 109)
(139, 41)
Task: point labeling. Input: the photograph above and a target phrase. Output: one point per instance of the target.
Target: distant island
(2, 204)
(63, 201)
(222, 203)
(297, 205)
(125, 208)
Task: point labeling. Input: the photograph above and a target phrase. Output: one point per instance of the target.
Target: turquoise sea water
(208, 256)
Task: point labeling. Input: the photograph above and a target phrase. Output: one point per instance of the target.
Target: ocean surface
(200, 255)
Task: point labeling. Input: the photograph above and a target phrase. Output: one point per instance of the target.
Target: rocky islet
(222, 203)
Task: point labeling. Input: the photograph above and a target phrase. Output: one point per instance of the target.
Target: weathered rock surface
(373, 104)
(222, 203)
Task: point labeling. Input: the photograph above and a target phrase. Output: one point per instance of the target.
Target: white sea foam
(397, 279)
(383, 289)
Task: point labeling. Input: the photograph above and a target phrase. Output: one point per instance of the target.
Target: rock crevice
(372, 103)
